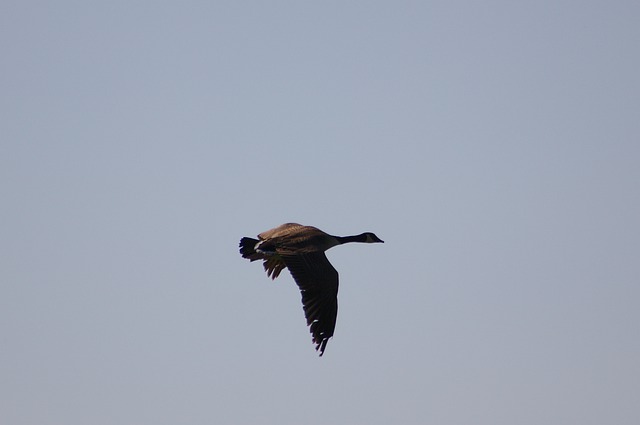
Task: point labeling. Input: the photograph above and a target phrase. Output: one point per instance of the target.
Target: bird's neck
(355, 238)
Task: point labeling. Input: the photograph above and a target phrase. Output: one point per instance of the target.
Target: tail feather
(273, 263)
(247, 249)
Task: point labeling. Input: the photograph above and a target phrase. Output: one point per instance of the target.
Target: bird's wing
(278, 231)
(318, 283)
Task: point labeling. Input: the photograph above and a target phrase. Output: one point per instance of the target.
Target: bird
(301, 249)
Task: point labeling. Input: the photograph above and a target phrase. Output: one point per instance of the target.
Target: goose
(301, 250)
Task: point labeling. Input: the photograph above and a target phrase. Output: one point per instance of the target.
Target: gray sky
(494, 146)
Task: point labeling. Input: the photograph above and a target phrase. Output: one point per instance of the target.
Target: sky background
(494, 146)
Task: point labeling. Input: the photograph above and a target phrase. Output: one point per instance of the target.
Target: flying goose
(301, 249)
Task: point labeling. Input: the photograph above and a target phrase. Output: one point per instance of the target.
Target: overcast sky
(494, 146)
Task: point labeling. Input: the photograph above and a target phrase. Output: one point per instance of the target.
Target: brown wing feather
(318, 283)
(282, 230)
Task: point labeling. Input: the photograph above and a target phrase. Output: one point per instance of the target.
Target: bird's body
(301, 249)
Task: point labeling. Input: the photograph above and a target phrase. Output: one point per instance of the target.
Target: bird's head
(372, 238)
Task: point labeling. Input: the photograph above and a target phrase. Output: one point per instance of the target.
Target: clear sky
(494, 146)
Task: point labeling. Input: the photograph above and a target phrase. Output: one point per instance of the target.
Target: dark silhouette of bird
(301, 250)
